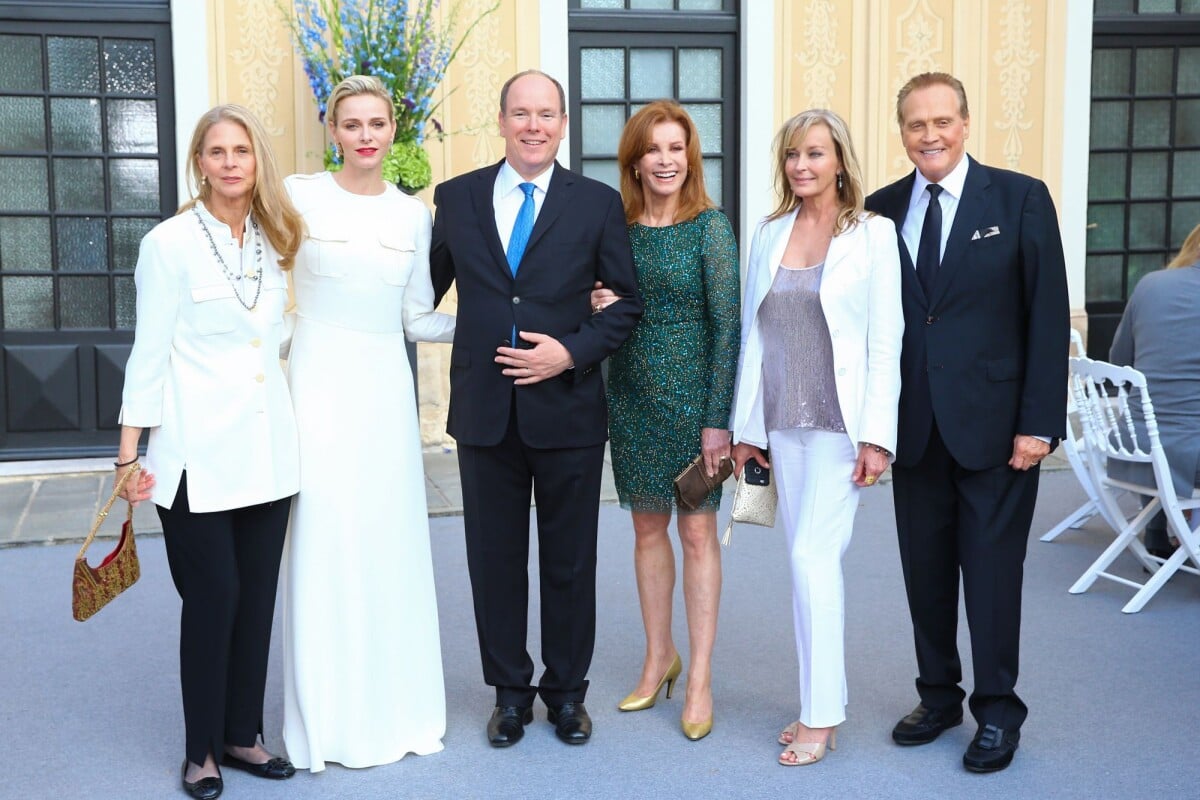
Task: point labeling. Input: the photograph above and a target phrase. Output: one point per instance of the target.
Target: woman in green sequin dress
(669, 389)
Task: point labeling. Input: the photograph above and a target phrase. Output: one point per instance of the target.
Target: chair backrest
(1077, 345)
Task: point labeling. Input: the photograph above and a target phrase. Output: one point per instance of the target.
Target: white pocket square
(984, 233)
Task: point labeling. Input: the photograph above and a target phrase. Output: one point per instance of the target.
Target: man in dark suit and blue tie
(525, 240)
(984, 371)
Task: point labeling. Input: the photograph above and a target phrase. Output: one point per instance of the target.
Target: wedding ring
(870, 480)
(596, 309)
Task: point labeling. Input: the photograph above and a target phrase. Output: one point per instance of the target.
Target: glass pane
(700, 5)
(1184, 217)
(1148, 225)
(1110, 73)
(1106, 227)
(1148, 175)
(78, 184)
(1185, 180)
(1141, 264)
(82, 244)
(133, 184)
(1106, 176)
(75, 124)
(651, 73)
(1188, 77)
(20, 63)
(1113, 6)
(133, 126)
(1154, 70)
(602, 126)
(1151, 123)
(601, 72)
(714, 180)
(1110, 123)
(83, 302)
(1187, 123)
(604, 171)
(74, 64)
(129, 66)
(707, 117)
(126, 301)
(652, 5)
(700, 73)
(127, 236)
(1156, 7)
(22, 123)
(28, 302)
(25, 244)
(1191, 7)
(1102, 277)
(602, 4)
(25, 185)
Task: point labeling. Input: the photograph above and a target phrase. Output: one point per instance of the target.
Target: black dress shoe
(571, 722)
(507, 725)
(924, 725)
(203, 789)
(992, 749)
(276, 768)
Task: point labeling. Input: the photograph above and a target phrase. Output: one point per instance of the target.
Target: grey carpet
(94, 709)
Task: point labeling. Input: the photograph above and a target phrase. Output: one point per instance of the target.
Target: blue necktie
(929, 248)
(521, 230)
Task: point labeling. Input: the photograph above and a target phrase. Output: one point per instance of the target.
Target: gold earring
(637, 176)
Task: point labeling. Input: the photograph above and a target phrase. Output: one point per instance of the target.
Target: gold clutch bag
(92, 588)
(693, 484)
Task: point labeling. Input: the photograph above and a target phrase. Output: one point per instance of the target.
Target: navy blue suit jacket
(986, 353)
(580, 237)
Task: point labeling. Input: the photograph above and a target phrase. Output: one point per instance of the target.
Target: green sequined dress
(674, 375)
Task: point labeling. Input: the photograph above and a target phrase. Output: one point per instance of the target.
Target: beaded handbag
(755, 500)
(92, 588)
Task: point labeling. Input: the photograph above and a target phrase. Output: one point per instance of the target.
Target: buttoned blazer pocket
(328, 247)
(214, 309)
(400, 253)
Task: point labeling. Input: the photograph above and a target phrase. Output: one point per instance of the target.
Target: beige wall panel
(1014, 86)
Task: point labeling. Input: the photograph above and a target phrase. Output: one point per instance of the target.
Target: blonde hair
(1190, 252)
(635, 143)
(354, 86)
(924, 81)
(278, 219)
(850, 193)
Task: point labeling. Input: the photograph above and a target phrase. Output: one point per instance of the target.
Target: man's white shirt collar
(509, 179)
(952, 183)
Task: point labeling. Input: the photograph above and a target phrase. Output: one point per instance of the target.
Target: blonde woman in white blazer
(819, 383)
(222, 462)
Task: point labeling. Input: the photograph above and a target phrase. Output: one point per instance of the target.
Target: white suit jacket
(860, 295)
(204, 373)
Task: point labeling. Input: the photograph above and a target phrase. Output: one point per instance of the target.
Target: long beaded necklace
(229, 275)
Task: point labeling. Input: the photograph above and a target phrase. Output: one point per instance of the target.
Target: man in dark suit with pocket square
(525, 240)
(983, 371)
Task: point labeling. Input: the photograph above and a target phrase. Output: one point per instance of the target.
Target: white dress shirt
(507, 198)
(918, 203)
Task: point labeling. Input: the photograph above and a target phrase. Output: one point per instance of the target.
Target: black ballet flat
(276, 768)
(203, 789)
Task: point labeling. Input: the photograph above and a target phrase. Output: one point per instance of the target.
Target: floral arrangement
(402, 43)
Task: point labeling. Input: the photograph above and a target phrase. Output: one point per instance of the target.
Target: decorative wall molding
(920, 39)
(1014, 58)
(482, 58)
(260, 60)
(820, 56)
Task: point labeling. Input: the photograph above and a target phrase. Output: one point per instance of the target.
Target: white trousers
(817, 502)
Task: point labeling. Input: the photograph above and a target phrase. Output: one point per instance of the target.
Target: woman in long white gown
(362, 658)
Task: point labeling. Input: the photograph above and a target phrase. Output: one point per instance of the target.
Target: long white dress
(362, 658)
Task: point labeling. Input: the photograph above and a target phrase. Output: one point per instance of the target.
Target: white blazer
(860, 295)
(204, 373)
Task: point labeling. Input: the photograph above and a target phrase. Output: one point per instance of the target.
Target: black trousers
(950, 520)
(225, 565)
(496, 485)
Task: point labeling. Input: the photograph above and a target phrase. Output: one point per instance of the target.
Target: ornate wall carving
(1014, 57)
(820, 56)
(259, 61)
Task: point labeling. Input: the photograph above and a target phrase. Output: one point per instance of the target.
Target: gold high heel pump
(808, 752)
(635, 703)
(696, 730)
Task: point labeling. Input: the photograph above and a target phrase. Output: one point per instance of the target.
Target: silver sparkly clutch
(755, 500)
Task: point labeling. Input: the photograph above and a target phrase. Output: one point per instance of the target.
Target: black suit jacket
(579, 238)
(986, 354)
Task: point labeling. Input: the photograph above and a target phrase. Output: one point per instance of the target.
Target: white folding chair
(1071, 445)
(1111, 433)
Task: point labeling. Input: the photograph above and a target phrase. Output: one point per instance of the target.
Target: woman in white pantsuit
(819, 383)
